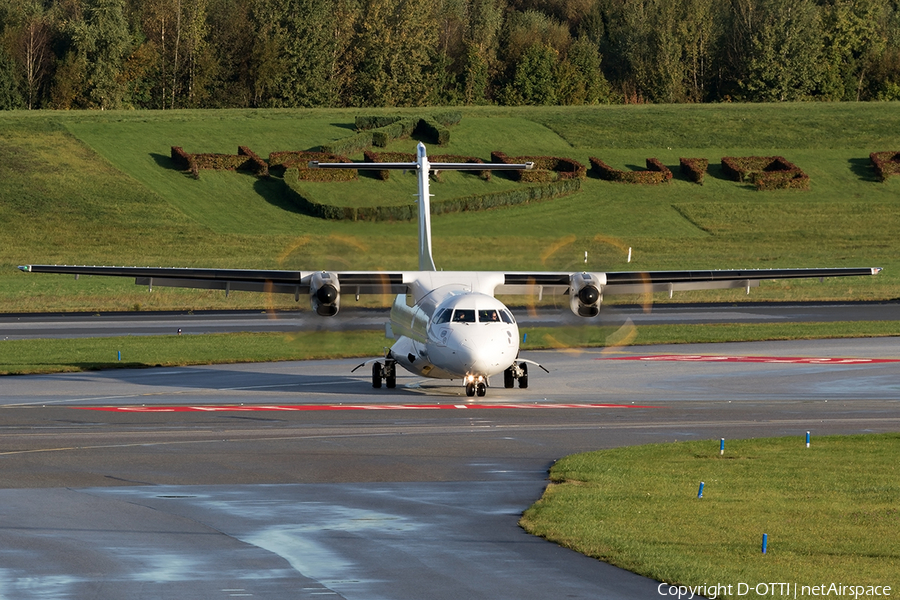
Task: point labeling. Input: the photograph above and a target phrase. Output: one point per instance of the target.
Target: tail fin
(426, 261)
(422, 167)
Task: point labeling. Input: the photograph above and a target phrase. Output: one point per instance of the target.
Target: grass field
(99, 188)
(830, 512)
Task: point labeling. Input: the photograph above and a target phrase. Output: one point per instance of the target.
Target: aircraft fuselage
(454, 333)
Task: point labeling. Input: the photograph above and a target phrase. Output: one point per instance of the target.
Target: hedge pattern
(694, 168)
(655, 174)
(380, 130)
(253, 163)
(244, 160)
(300, 160)
(458, 158)
(546, 168)
(377, 157)
(409, 212)
(766, 172)
(886, 164)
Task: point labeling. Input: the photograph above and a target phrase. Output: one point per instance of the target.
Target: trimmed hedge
(458, 158)
(694, 168)
(253, 163)
(655, 174)
(409, 212)
(382, 136)
(546, 168)
(886, 164)
(349, 145)
(377, 157)
(301, 159)
(181, 158)
(380, 130)
(244, 160)
(437, 132)
(364, 122)
(766, 172)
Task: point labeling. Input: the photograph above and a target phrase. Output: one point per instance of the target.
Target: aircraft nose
(486, 357)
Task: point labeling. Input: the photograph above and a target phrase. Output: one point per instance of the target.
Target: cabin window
(488, 316)
(443, 316)
(464, 315)
(507, 317)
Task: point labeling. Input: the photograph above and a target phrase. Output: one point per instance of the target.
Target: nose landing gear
(475, 386)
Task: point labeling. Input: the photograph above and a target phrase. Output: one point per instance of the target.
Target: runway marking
(815, 360)
(319, 407)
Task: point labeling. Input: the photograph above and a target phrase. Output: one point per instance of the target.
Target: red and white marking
(816, 360)
(311, 407)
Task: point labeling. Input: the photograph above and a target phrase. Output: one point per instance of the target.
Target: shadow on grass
(862, 168)
(279, 194)
(166, 162)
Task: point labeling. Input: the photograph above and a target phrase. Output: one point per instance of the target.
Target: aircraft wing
(639, 282)
(249, 280)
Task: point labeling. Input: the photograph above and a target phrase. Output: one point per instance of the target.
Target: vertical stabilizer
(426, 261)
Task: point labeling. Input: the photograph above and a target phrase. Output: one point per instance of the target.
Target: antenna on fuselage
(423, 167)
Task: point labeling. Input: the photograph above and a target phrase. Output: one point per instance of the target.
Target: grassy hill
(99, 188)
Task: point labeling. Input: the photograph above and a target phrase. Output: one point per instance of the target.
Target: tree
(854, 41)
(393, 52)
(102, 42)
(535, 80)
(33, 51)
(785, 52)
(10, 98)
(579, 78)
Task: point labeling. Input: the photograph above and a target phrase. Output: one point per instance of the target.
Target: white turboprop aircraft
(454, 327)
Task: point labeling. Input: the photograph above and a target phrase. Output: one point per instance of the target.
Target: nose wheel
(475, 388)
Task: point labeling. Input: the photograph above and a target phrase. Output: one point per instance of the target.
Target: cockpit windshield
(464, 315)
(469, 315)
(443, 316)
(488, 316)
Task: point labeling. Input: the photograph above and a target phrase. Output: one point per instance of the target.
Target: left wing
(585, 290)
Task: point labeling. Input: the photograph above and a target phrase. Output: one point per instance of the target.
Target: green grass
(99, 188)
(19, 357)
(830, 511)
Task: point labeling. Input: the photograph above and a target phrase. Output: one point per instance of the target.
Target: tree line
(167, 54)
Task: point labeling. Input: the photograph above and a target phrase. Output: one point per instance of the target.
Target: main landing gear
(513, 372)
(384, 371)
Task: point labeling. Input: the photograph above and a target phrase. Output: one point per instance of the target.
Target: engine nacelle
(325, 293)
(585, 295)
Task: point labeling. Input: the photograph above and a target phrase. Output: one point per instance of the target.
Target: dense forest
(165, 54)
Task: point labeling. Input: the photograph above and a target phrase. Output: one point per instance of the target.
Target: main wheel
(390, 378)
(376, 374)
(523, 378)
(470, 389)
(508, 379)
(481, 388)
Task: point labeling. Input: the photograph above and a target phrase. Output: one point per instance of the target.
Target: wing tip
(25, 268)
